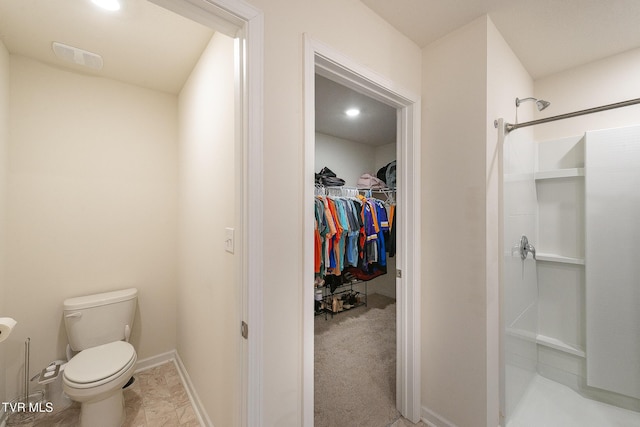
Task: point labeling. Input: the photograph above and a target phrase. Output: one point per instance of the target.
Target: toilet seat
(99, 365)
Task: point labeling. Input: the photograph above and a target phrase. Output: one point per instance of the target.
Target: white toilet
(96, 327)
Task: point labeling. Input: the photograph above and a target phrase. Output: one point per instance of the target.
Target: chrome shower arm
(518, 100)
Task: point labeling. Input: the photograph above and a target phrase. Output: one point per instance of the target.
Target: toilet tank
(97, 319)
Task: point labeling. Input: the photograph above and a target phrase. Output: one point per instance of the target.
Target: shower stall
(571, 278)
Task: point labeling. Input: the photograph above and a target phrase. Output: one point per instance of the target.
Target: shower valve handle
(526, 248)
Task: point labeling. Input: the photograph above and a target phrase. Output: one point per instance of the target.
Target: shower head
(540, 103)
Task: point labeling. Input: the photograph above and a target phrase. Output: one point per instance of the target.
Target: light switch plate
(228, 239)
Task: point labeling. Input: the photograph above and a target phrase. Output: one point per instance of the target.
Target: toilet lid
(97, 363)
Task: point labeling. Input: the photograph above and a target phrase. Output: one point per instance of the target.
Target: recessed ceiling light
(352, 112)
(112, 5)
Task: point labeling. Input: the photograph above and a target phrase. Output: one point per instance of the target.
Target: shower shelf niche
(559, 191)
(559, 258)
(559, 173)
(560, 345)
(546, 341)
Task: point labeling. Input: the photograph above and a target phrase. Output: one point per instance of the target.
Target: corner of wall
(454, 294)
(476, 64)
(506, 79)
(207, 187)
(4, 135)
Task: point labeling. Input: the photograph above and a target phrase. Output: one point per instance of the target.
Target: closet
(354, 157)
(354, 279)
(354, 241)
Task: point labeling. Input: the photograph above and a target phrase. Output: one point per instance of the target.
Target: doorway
(243, 24)
(330, 64)
(355, 269)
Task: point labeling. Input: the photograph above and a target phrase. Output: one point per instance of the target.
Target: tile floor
(403, 422)
(156, 398)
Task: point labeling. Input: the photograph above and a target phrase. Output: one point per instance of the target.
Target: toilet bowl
(95, 377)
(96, 326)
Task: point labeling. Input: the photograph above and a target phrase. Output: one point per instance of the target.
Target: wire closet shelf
(346, 191)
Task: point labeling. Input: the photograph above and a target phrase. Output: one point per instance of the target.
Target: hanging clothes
(351, 234)
(391, 242)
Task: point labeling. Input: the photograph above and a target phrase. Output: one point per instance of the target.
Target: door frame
(324, 60)
(245, 24)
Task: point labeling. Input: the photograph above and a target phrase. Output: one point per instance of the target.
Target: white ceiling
(376, 124)
(144, 44)
(547, 35)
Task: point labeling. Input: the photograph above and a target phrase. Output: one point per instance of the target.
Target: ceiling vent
(77, 56)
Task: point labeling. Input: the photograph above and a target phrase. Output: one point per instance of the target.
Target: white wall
(4, 141)
(385, 154)
(208, 298)
(348, 159)
(470, 78)
(454, 343)
(91, 206)
(606, 81)
(363, 36)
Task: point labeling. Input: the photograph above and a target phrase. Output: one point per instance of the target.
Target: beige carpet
(355, 362)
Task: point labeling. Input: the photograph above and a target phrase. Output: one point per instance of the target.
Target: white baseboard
(172, 356)
(152, 362)
(201, 413)
(432, 419)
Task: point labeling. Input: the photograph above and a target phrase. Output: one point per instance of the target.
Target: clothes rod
(509, 126)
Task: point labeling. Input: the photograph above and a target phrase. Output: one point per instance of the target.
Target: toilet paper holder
(6, 327)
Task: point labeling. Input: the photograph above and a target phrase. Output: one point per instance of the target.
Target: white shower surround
(547, 314)
(612, 270)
